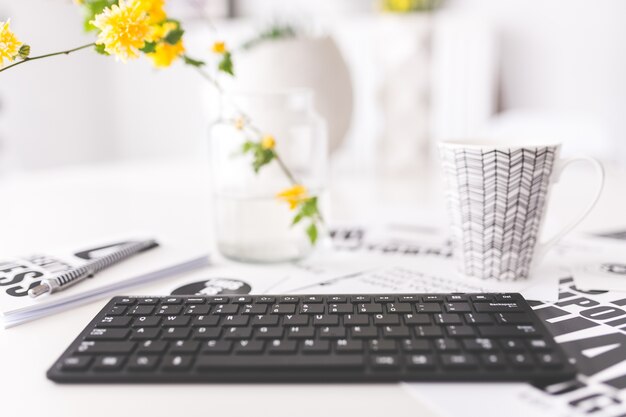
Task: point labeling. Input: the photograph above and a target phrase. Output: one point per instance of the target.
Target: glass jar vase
(251, 223)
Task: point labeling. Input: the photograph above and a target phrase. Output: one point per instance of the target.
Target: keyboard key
(177, 363)
(364, 332)
(384, 361)
(269, 332)
(235, 321)
(507, 331)
(337, 299)
(360, 299)
(384, 319)
(428, 331)
(409, 345)
(124, 301)
(458, 360)
(408, 298)
(521, 360)
(384, 299)
(197, 310)
(165, 310)
(205, 321)
(265, 300)
(257, 309)
(152, 347)
(150, 333)
(369, 308)
(398, 308)
(288, 299)
(448, 318)
(493, 360)
(512, 345)
(395, 332)
(107, 334)
(332, 332)
(410, 319)
(172, 333)
(482, 297)
(184, 346)
(206, 333)
(218, 300)
(195, 300)
(143, 310)
(497, 307)
(312, 309)
(116, 311)
(460, 331)
(114, 322)
(109, 363)
(505, 297)
(356, 320)
(325, 320)
(340, 308)
(456, 298)
(76, 363)
(538, 345)
(428, 308)
(99, 347)
(424, 361)
(242, 299)
(282, 346)
(265, 320)
(513, 318)
(249, 347)
(283, 309)
(141, 363)
(312, 299)
(315, 346)
(378, 345)
(295, 320)
(478, 318)
(446, 344)
(458, 308)
(146, 321)
(301, 332)
(176, 321)
(225, 309)
(348, 346)
(216, 346)
(479, 345)
(238, 333)
(432, 298)
(148, 301)
(550, 360)
(244, 362)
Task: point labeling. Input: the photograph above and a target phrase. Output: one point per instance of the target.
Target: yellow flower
(219, 47)
(124, 29)
(294, 195)
(9, 45)
(240, 123)
(154, 8)
(268, 142)
(165, 54)
(161, 31)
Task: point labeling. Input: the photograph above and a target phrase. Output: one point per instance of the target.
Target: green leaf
(174, 36)
(99, 48)
(248, 146)
(24, 51)
(311, 232)
(193, 62)
(148, 48)
(92, 8)
(297, 218)
(309, 208)
(226, 64)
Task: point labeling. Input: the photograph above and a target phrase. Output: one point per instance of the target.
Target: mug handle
(544, 247)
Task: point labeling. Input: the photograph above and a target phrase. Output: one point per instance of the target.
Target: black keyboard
(401, 337)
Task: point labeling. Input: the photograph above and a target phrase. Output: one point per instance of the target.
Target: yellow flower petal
(124, 29)
(154, 9)
(268, 142)
(9, 44)
(294, 195)
(240, 123)
(219, 47)
(165, 54)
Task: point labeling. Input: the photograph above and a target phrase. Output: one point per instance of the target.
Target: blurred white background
(517, 67)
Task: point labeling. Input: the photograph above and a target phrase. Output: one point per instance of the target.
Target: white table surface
(63, 207)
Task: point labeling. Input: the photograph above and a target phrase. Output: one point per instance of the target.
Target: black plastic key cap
(114, 322)
(301, 332)
(165, 310)
(225, 309)
(478, 318)
(235, 321)
(94, 348)
(364, 332)
(332, 332)
(143, 363)
(395, 332)
(369, 308)
(109, 363)
(216, 346)
(428, 331)
(256, 309)
(295, 320)
(385, 319)
(423, 361)
(269, 332)
(493, 360)
(384, 361)
(265, 320)
(177, 363)
(173, 333)
(107, 334)
(428, 308)
(184, 346)
(410, 345)
(378, 345)
(348, 346)
(197, 310)
(283, 309)
(205, 321)
(507, 331)
(521, 360)
(325, 320)
(340, 308)
(244, 362)
(410, 319)
(459, 360)
(448, 318)
(356, 320)
(150, 333)
(312, 309)
(249, 347)
(176, 321)
(146, 321)
(315, 346)
(76, 363)
(497, 307)
(282, 346)
(237, 333)
(152, 347)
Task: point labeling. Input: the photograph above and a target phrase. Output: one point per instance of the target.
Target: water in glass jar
(258, 228)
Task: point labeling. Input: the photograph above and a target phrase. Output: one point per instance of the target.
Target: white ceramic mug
(497, 197)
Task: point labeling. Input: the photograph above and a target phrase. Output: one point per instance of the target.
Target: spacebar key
(207, 362)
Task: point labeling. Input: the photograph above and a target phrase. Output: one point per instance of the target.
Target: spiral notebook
(20, 274)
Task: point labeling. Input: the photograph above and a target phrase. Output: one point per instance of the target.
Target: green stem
(67, 52)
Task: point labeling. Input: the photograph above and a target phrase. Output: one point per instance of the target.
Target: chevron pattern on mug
(496, 198)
